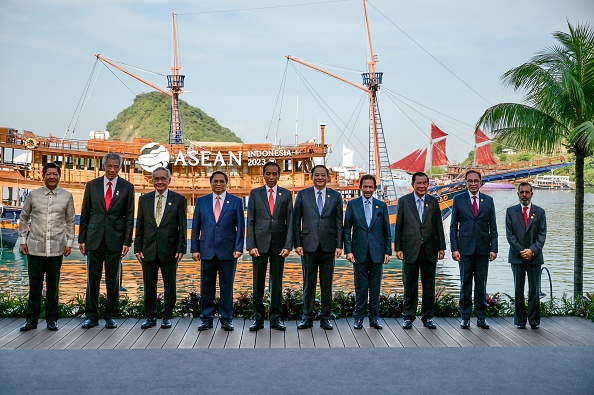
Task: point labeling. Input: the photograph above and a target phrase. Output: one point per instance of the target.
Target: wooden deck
(554, 331)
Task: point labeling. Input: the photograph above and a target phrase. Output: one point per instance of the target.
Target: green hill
(149, 117)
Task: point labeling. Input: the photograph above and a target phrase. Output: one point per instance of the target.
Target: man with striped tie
(160, 243)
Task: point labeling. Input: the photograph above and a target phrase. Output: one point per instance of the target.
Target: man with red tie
(217, 242)
(269, 238)
(526, 231)
(105, 236)
(473, 240)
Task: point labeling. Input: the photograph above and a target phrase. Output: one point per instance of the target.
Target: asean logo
(152, 156)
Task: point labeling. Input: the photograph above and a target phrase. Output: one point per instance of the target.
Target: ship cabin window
(298, 165)
(80, 163)
(69, 162)
(58, 160)
(91, 165)
(287, 166)
(137, 168)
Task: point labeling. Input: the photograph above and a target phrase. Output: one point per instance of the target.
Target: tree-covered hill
(149, 117)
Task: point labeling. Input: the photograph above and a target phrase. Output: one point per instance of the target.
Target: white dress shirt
(163, 201)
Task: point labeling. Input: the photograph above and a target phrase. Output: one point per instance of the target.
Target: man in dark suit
(419, 242)
(318, 240)
(473, 240)
(269, 237)
(367, 246)
(160, 243)
(217, 241)
(526, 231)
(105, 235)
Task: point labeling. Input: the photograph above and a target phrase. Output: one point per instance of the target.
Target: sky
(442, 62)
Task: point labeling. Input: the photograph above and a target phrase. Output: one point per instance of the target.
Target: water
(558, 254)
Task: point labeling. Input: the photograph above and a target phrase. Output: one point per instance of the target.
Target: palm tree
(558, 110)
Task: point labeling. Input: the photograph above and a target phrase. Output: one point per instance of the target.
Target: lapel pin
(328, 196)
(482, 200)
(376, 206)
(169, 204)
(227, 202)
(426, 205)
(279, 194)
(117, 193)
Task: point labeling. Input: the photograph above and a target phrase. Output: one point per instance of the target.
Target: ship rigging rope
(280, 96)
(430, 54)
(318, 98)
(82, 101)
(135, 67)
(123, 83)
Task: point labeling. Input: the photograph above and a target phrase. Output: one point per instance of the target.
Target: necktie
(526, 217)
(320, 203)
(368, 212)
(158, 214)
(474, 206)
(108, 196)
(271, 201)
(217, 212)
(420, 208)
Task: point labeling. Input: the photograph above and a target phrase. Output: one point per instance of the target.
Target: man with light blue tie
(367, 247)
(317, 227)
(419, 242)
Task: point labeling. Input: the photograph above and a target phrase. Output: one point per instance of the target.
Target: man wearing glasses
(473, 240)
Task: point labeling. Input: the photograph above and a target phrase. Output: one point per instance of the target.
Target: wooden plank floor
(553, 332)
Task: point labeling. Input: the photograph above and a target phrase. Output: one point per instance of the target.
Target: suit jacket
(218, 239)
(115, 225)
(359, 239)
(167, 239)
(470, 234)
(411, 232)
(269, 233)
(519, 237)
(310, 229)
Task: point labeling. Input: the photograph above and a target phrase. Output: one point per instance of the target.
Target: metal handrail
(542, 294)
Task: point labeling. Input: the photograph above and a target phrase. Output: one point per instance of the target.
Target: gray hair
(111, 155)
(161, 168)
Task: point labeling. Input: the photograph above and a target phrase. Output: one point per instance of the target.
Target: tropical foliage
(149, 117)
(558, 110)
(343, 305)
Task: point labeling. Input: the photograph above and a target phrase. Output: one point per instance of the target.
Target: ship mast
(175, 83)
(379, 162)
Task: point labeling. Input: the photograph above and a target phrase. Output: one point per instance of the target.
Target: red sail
(412, 163)
(438, 153)
(482, 154)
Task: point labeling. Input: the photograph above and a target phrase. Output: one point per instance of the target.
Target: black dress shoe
(305, 324)
(358, 324)
(375, 324)
(27, 326)
(165, 323)
(276, 324)
(535, 327)
(407, 324)
(227, 326)
(110, 323)
(257, 325)
(521, 326)
(430, 324)
(52, 326)
(482, 324)
(206, 325)
(148, 323)
(89, 323)
(465, 324)
(325, 324)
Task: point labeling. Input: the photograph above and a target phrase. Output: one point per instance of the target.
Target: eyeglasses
(473, 181)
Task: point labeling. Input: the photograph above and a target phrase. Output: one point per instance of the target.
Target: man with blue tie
(318, 240)
(473, 240)
(419, 242)
(367, 247)
(217, 241)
